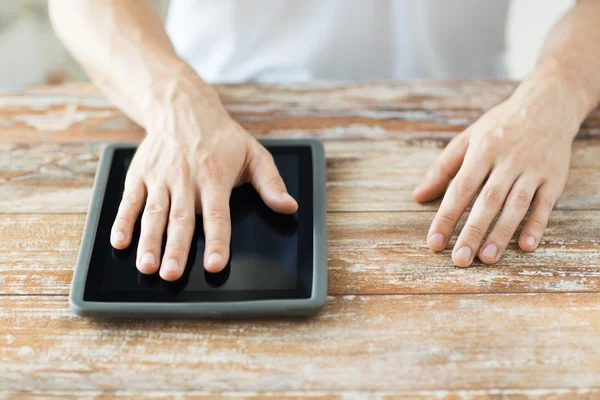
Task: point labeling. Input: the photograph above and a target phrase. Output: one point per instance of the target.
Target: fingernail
(436, 240)
(171, 265)
(119, 236)
(148, 258)
(530, 241)
(214, 258)
(463, 254)
(490, 251)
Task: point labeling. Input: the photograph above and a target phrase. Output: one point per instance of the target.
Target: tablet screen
(270, 257)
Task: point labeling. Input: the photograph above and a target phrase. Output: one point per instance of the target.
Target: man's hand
(518, 155)
(193, 154)
(191, 166)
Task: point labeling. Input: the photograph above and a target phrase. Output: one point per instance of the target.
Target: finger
(486, 207)
(265, 178)
(180, 229)
(534, 228)
(459, 195)
(514, 210)
(154, 221)
(442, 170)
(130, 207)
(217, 226)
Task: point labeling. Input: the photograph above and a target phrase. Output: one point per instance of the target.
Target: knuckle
(446, 221)
(123, 220)
(465, 187)
(274, 180)
(177, 247)
(522, 198)
(439, 169)
(266, 156)
(547, 204)
(154, 208)
(210, 169)
(499, 132)
(493, 197)
(150, 238)
(130, 199)
(536, 224)
(133, 181)
(216, 243)
(487, 144)
(473, 231)
(180, 215)
(503, 132)
(515, 157)
(181, 169)
(262, 159)
(462, 138)
(504, 232)
(217, 216)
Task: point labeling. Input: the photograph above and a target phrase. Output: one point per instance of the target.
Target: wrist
(550, 84)
(181, 97)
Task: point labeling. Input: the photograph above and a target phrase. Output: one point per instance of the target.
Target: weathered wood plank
(493, 394)
(389, 110)
(361, 176)
(376, 253)
(364, 343)
(379, 140)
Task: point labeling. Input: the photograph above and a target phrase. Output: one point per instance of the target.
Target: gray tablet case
(271, 307)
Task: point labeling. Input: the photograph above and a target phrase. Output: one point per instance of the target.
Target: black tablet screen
(271, 253)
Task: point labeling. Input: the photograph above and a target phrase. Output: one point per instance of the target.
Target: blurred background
(31, 53)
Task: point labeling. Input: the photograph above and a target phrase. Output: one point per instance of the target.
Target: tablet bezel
(295, 306)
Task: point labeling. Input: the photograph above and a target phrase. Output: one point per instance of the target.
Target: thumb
(265, 178)
(442, 170)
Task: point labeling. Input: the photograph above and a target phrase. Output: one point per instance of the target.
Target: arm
(193, 153)
(522, 146)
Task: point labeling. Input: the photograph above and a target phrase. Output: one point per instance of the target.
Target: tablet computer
(277, 266)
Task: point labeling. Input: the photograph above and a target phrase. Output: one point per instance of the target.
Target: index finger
(443, 169)
(459, 195)
(217, 226)
(134, 196)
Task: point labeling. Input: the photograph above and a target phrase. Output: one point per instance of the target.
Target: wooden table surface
(400, 320)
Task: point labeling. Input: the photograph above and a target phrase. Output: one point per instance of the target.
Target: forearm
(126, 52)
(569, 65)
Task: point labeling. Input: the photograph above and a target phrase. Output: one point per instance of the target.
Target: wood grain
(374, 176)
(329, 111)
(493, 394)
(368, 253)
(400, 322)
(363, 343)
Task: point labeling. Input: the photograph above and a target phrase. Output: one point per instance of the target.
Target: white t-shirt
(302, 40)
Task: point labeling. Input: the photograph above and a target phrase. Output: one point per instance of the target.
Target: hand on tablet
(188, 163)
(518, 155)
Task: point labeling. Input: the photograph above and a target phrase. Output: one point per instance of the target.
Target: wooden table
(400, 320)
